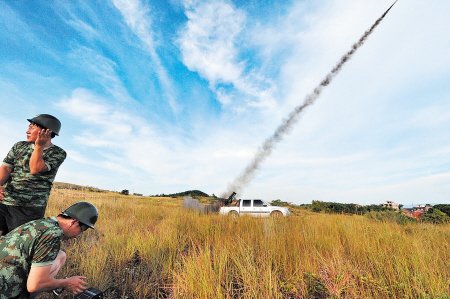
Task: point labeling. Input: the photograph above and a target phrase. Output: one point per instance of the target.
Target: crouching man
(30, 255)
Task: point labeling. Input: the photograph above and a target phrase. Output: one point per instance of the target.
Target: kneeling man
(30, 255)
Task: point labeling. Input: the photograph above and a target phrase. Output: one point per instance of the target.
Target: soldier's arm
(5, 172)
(37, 163)
(40, 279)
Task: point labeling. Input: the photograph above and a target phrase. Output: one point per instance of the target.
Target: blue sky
(167, 96)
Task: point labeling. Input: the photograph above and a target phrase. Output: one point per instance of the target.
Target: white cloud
(18, 27)
(431, 116)
(86, 107)
(78, 157)
(105, 122)
(118, 141)
(113, 139)
(102, 70)
(84, 28)
(137, 17)
(9, 137)
(208, 42)
(211, 43)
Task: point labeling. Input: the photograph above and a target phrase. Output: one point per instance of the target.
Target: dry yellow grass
(153, 248)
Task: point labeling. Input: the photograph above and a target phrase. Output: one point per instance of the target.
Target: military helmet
(47, 121)
(84, 212)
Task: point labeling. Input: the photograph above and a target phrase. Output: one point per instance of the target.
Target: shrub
(280, 203)
(391, 216)
(443, 208)
(435, 216)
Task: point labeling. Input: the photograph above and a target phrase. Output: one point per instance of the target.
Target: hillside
(69, 186)
(193, 193)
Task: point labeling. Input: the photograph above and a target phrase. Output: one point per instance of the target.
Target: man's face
(75, 229)
(32, 132)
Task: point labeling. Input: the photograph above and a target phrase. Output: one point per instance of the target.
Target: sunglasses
(83, 226)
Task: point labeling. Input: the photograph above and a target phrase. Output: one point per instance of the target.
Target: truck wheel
(233, 214)
(276, 214)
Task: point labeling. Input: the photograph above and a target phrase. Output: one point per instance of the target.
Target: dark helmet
(84, 212)
(47, 121)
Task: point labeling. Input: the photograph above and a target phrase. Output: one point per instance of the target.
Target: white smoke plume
(268, 145)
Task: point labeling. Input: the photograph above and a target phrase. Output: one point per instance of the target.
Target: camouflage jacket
(24, 189)
(33, 244)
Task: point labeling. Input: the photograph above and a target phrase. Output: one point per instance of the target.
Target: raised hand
(43, 137)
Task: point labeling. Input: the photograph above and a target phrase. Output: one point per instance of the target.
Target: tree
(280, 203)
(125, 192)
(435, 216)
(443, 208)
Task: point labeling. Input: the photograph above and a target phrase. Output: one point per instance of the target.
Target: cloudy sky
(167, 96)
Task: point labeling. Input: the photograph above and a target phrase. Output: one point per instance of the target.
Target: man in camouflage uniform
(27, 173)
(30, 255)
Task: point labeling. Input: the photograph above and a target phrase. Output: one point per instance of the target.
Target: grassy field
(153, 248)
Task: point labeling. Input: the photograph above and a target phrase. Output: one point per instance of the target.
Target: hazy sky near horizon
(167, 96)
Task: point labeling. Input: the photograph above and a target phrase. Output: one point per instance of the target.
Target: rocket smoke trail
(266, 149)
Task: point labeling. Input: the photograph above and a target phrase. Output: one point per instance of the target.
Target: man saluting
(27, 173)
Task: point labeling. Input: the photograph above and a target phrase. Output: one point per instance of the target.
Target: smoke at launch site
(195, 205)
(268, 145)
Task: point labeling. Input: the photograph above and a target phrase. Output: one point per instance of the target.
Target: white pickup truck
(253, 207)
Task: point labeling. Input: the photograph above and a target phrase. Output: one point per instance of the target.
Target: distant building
(417, 212)
(425, 208)
(391, 205)
(411, 212)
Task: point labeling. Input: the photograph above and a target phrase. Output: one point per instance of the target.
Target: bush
(391, 216)
(280, 203)
(435, 216)
(443, 208)
(345, 208)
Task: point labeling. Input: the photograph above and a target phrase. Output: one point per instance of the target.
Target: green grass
(153, 248)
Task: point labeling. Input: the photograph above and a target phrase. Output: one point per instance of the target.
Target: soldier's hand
(44, 135)
(1, 193)
(76, 284)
